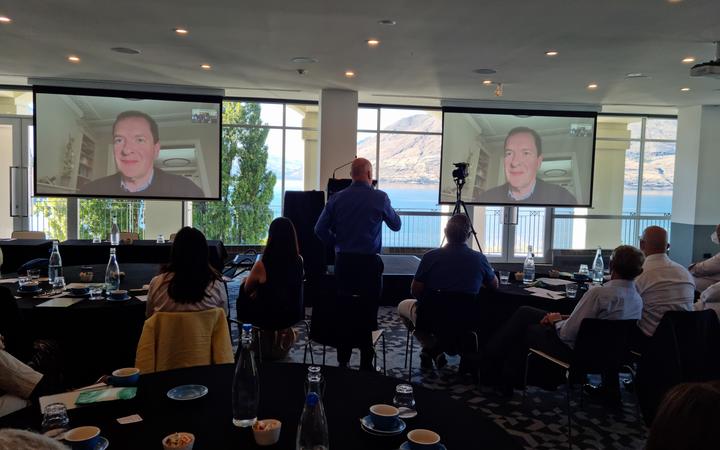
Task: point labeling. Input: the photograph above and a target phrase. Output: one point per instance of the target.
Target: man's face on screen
(521, 161)
(134, 148)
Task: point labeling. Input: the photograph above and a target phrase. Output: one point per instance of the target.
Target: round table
(348, 394)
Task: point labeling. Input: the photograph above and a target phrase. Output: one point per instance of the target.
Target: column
(338, 131)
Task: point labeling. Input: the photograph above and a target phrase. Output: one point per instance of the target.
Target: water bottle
(246, 384)
(114, 232)
(598, 267)
(314, 381)
(529, 267)
(112, 273)
(55, 263)
(312, 431)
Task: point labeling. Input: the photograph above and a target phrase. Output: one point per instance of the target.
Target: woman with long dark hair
(271, 296)
(188, 282)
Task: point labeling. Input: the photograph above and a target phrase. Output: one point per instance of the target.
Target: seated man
(18, 382)
(709, 299)
(453, 268)
(664, 285)
(707, 272)
(555, 334)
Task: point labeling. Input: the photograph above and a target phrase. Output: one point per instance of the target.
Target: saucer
(367, 425)
(406, 446)
(29, 291)
(102, 444)
(187, 392)
(122, 299)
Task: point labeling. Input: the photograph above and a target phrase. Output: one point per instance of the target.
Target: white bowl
(270, 432)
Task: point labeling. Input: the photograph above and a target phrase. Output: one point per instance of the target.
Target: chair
(453, 318)
(601, 347)
(172, 340)
(684, 348)
(28, 235)
(241, 263)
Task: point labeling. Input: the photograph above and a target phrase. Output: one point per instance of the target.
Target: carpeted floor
(539, 422)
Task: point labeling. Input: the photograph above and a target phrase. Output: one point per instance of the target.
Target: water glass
(571, 290)
(96, 239)
(504, 277)
(96, 293)
(55, 419)
(160, 239)
(24, 281)
(404, 400)
(58, 284)
(34, 274)
(584, 270)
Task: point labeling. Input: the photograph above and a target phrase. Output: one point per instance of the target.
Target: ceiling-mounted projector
(710, 68)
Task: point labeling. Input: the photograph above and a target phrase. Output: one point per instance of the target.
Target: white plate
(187, 392)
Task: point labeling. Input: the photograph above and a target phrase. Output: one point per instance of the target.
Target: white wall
(687, 160)
(338, 132)
(162, 217)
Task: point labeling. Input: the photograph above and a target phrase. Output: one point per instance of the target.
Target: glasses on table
(55, 419)
(58, 285)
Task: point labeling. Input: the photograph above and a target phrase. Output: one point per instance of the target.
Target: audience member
(189, 282)
(352, 223)
(454, 268)
(707, 272)
(12, 439)
(272, 293)
(687, 418)
(18, 382)
(555, 334)
(709, 299)
(664, 285)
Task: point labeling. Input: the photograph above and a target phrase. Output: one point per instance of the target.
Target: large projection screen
(121, 144)
(528, 158)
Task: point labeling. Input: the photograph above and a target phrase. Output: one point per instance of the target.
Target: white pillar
(338, 132)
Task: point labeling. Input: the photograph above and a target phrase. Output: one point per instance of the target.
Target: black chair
(241, 263)
(602, 346)
(453, 318)
(684, 348)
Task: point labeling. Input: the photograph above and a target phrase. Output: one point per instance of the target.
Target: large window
(265, 150)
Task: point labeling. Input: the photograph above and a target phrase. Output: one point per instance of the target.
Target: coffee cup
(421, 439)
(83, 438)
(118, 294)
(127, 376)
(384, 417)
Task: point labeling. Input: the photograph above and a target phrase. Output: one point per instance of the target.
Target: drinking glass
(404, 400)
(96, 293)
(160, 239)
(58, 285)
(96, 239)
(23, 281)
(504, 277)
(34, 274)
(55, 419)
(571, 290)
(584, 270)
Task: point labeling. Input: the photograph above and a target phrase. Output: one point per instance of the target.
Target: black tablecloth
(78, 252)
(348, 395)
(17, 252)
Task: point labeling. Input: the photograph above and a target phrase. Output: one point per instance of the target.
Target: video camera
(461, 171)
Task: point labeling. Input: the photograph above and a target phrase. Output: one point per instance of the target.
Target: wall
(338, 131)
(57, 122)
(162, 217)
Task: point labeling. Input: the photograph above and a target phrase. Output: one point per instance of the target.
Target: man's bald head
(654, 240)
(361, 170)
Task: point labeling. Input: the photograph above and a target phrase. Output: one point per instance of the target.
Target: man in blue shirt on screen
(522, 160)
(352, 223)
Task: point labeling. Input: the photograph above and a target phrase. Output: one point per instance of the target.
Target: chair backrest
(278, 304)
(449, 316)
(28, 235)
(602, 344)
(172, 340)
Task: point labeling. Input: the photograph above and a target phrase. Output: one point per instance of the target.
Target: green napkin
(105, 395)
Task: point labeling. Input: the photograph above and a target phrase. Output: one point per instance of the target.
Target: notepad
(544, 293)
(555, 281)
(61, 302)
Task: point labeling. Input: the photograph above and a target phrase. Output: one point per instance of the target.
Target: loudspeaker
(303, 208)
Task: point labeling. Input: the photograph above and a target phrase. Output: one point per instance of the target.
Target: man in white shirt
(664, 285)
(17, 382)
(707, 272)
(555, 334)
(709, 299)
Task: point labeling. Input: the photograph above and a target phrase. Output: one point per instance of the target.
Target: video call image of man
(522, 160)
(136, 145)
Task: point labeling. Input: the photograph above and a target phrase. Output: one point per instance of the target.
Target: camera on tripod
(461, 171)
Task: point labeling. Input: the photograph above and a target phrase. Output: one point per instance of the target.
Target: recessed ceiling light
(636, 75)
(73, 58)
(487, 82)
(688, 60)
(551, 53)
(592, 86)
(485, 71)
(373, 42)
(685, 89)
(205, 66)
(126, 50)
(5, 19)
(388, 22)
(674, 1)
(181, 31)
(304, 60)
(349, 74)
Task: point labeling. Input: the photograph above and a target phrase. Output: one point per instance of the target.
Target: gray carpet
(539, 422)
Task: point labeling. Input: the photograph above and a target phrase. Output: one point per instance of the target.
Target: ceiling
(430, 54)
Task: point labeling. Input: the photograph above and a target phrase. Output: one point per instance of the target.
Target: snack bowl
(179, 441)
(267, 431)
(518, 276)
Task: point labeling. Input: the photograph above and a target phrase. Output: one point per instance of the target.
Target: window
(265, 147)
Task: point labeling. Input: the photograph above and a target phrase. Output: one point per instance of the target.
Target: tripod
(461, 208)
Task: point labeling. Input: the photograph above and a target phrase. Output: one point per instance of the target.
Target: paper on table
(142, 298)
(544, 293)
(61, 302)
(555, 281)
(69, 399)
(8, 280)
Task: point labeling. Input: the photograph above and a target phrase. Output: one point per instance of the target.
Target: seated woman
(272, 295)
(189, 282)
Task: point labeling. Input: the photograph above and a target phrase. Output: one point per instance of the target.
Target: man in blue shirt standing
(352, 223)
(454, 268)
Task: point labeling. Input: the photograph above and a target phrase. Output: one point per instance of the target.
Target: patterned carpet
(539, 423)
